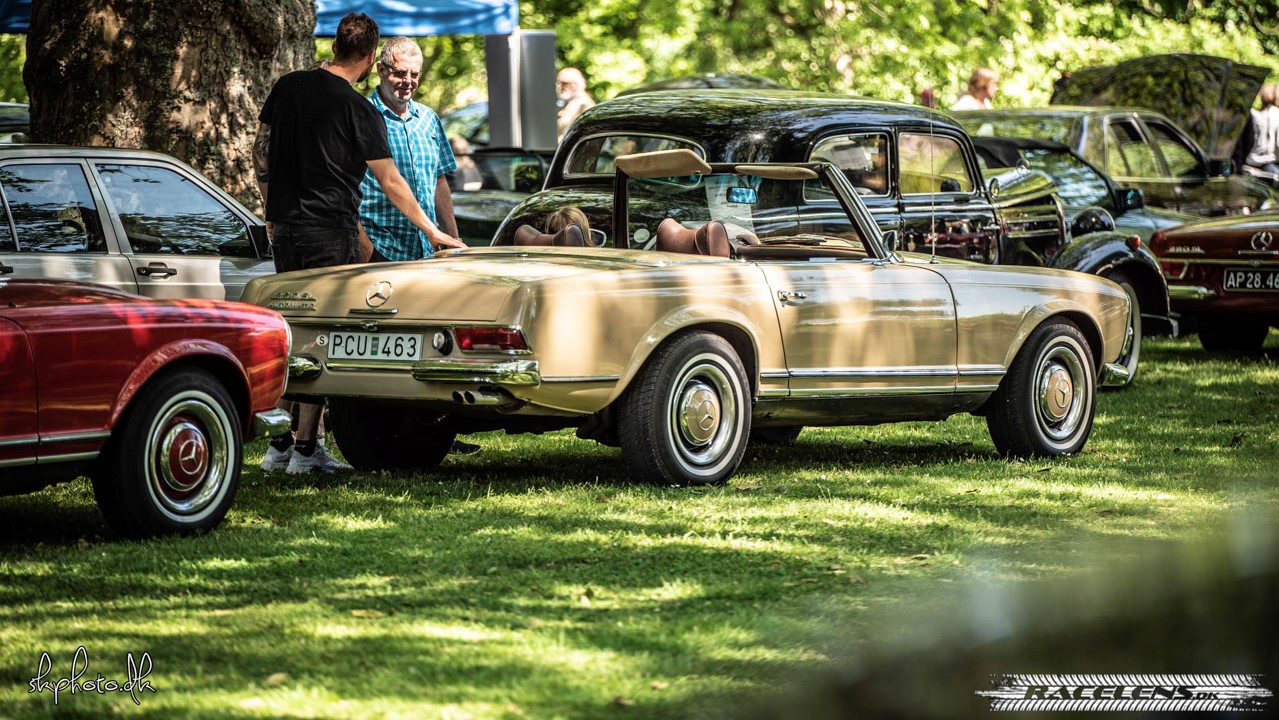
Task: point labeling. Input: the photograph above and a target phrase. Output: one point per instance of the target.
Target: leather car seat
(709, 239)
(570, 236)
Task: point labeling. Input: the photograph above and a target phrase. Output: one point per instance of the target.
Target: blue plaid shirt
(422, 154)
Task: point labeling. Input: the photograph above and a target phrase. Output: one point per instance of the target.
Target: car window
(862, 158)
(1130, 151)
(51, 208)
(163, 211)
(1077, 183)
(1180, 158)
(1058, 128)
(932, 164)
(594, 155)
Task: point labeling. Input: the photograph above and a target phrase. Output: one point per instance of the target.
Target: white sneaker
(276, 459)
(319, 460)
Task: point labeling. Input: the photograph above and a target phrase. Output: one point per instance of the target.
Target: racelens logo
(1128, 693)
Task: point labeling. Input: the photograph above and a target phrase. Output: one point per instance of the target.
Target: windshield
(757, 212)
(1077, 183)
(1058, 128)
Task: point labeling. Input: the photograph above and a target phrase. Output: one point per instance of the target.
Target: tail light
(490, 339)
(1158, 242)
(1173, 269)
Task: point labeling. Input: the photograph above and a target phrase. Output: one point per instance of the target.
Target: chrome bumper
(510, 372)
(271, 423)
(1114, 375)
(507, 372)
(1190, 292)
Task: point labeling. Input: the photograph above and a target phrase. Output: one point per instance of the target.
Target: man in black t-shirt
(316, 136)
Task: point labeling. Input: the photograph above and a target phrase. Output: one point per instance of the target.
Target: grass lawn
(530, 580)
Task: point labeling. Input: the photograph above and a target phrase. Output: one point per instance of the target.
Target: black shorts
(298, 247)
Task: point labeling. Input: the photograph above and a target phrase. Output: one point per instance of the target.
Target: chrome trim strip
(20, 441)
(1190, 292)
(1260, 253)
(977, 388)
(373, 311)
(873, 392)
(773, 374)
(511, 372)
(582, 379)
(782, 392)
(369, 366)
(271, 423)
(923, 371)
(1192, 261)
(1114, 375)
(49, 459)
(75, 437)
(976, 370)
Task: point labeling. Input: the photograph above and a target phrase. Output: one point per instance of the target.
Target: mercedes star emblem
(378, 294)
(1262, 241)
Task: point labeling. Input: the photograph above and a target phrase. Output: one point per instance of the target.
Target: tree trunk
(184, 77)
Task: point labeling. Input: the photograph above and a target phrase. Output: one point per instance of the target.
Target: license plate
(375, 346)
(1251, 280)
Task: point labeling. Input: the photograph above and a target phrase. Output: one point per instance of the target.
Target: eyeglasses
(400, 73)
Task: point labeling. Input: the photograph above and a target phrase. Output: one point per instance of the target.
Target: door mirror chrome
(993, 187)
(889, 238)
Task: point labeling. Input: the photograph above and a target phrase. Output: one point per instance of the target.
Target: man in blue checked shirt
(422, 155)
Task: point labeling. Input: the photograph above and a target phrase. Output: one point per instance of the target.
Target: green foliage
(13, 55)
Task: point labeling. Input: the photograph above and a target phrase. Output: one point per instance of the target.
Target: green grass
(531, 580)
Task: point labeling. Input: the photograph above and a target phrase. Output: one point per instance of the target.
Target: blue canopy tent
(396, 17)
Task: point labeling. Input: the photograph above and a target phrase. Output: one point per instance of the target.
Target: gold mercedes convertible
(725, 304)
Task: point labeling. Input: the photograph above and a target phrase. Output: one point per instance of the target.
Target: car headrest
(570, 236)
(709, 239)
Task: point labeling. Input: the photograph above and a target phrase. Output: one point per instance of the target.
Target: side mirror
(1221, 167)
(1131, 199)
(261, 245)
(598, 237)
(993, 187)
(890, 240)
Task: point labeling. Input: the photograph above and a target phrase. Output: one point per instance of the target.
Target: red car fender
(164, 357)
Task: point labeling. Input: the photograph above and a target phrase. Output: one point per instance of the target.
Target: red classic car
(1223, 275)
(149, 398)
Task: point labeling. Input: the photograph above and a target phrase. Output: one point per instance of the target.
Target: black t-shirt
(322, 132)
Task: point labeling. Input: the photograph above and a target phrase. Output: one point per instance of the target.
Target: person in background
(566, 216)
(982, 85)
(421, 153)
(1264, 155)
(467, 176)
(570, 85)
(928, 97)
(316, 137)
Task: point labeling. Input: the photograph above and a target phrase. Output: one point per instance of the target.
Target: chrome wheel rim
(189, 459)
(1061, 392)
(705, 415)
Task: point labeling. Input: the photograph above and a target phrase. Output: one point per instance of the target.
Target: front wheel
(383, 436)
(174, 464)
(1131, 351)
(1044, 407)
(686, 418)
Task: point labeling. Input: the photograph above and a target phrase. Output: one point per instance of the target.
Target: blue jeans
(298, 247)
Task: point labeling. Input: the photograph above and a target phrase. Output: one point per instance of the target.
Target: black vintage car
(915, 170)
(489, 182)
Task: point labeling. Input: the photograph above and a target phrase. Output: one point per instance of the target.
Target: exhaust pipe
(479, 397)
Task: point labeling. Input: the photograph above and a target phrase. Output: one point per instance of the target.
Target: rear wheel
(174, 464)
(1222, 334)
(686, 418)
(1131, 351)
(1044, 407)
(384, 436)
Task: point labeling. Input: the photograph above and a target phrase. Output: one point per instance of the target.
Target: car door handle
(161, 270)
(790, 295)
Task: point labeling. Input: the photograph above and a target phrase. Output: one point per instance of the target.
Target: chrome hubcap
(699, 413)
(190, 455)
(1056, 394)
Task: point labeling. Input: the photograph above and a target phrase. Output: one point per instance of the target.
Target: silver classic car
(764, 300)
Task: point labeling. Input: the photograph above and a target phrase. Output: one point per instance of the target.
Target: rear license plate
(375, 346)
(1251, 280)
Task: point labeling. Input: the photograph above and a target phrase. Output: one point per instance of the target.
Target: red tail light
(490, 339)
(1158, 242)
(1173, 269)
